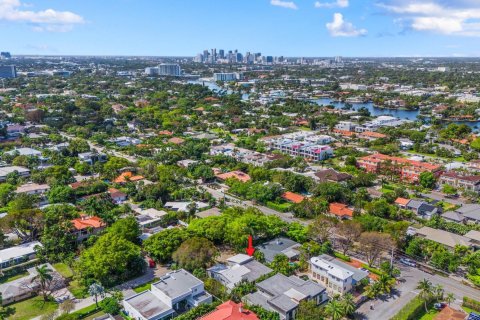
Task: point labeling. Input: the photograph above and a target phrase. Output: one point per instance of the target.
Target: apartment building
(307, 145)
(409, 170)
(337, 276)
(466, 182)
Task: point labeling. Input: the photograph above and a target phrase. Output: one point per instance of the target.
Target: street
(405, 291)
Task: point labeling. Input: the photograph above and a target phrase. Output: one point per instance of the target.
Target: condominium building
(8, 72)
(466, 182)
(302, 144)
(409, 170)
(164, 69)
(338, 277)
(232, 76)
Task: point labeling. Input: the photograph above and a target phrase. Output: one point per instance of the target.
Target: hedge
(198, 312)
(342, 256)
(471, 303)
(87, 311)
(413, 310)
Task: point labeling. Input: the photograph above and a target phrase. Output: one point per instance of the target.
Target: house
(230, 310)
(126, 141)
(13, 256)
(239, 175)
(86, 226)
(127, 176)
(150, 218)
(208, 213)
(280, 245)
(28, 152)
(283, 294)
(448, 239)
(33, 189)
(292, 197)
(340, 210)
(5, 171)
(183, 206)
(419, 207)
(174, 293)
(465, 182)
(468, 213)
(371, 135)
(408, 170)
(117, 196)
(474, 237)
(28, 286)
(337, 276)
(92, 157)
(176, 140)
(238, 268)
(330, 175)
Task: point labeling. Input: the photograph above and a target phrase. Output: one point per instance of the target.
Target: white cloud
(448, 18)
(335, 4)
(341, 28)
(45, 20)
(284, 4)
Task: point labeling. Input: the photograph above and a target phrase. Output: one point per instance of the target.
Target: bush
(471, 303)
(412, 311)
(197, 312)
(282, 207)
(342, 256)
(110, 305)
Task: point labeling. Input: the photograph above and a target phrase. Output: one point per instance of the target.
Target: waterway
(374, 111)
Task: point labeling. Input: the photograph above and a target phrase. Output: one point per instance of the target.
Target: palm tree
(449, 298)
(373, 290)
(44, 278)
(96, 290)
(348, 304)
(385, 282)
(334, 310)
(438, 292)
(426, 290)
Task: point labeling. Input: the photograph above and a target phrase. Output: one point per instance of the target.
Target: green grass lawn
(93, 316)
(14, 277)
(145, 286)
(63, 269)
(32, 308)
(432, 313)
(77, 290)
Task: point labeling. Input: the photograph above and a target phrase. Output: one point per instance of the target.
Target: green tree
(6, 193)
(282, 265)
(111, 260)
(195, 253)
(448, 189)
(308, 310)
(426, 291)
(127, 228)
(161, 246)
(427, 180)
(60, 194)
(348, 304)
(334, 310)
(44, 278)
(96, 290)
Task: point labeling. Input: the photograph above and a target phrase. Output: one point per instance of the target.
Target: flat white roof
(4, 171)
(18, 251)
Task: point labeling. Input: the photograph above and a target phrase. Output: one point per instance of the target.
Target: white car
(408, 262)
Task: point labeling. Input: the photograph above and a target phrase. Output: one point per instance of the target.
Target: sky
(292, 28)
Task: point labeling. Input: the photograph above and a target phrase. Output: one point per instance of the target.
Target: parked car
(408, 262)
(439, 305)
(366, 270)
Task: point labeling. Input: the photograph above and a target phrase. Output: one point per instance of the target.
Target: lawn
(432, 313)
(77, 290)
(93, 316)
(63, 269)
(145, 286)
(31, 308)
(14, 277)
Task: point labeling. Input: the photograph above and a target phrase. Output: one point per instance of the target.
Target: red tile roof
(234, 174)
(340, 210)
(127, 176)
(176, 140)
(293, 197)
(85, 222)
(230, 311)
(402, 201)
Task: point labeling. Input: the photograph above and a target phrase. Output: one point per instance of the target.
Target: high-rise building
(198, 58)
(221, 54)
(169, 69)
(232, 76)
(214, 55)
(5, 55)
(239, 57)
(151, 71)
(8, 72)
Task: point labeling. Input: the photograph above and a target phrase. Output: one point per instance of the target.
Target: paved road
(435, 195)
(387, 307)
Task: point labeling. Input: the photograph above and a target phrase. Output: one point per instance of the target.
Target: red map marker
(250, 249)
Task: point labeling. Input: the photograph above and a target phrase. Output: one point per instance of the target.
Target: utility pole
(391, 261)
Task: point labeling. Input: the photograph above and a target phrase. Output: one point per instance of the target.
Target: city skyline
(296, 28)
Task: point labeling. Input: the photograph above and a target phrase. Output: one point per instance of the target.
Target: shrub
(412, 311)
(471, 303)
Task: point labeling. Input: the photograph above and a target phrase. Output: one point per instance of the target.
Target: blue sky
(274, 27)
